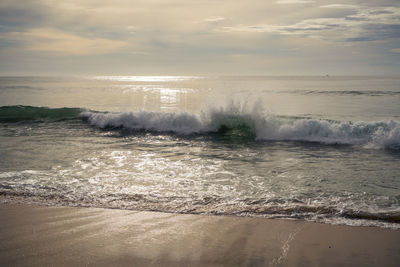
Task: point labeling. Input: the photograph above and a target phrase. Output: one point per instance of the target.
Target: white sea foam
(182, 123)
(381, 134)
(378, 134)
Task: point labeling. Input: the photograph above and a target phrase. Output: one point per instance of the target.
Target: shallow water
(315, 148)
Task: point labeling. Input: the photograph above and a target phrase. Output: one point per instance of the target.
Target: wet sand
(62, 236)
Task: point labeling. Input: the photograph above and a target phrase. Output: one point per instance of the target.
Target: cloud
(214, 19)
(364, 24)
(140, 53)
(204, 35)
(341, 6)
(56, 41)
(293, 2)
(22, 14)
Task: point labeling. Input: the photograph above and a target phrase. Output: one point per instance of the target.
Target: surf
(378, 134)
(225, 121)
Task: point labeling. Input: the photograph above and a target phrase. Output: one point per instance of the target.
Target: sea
(316, 148)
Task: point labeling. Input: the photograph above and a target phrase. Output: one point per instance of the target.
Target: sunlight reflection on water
(147, 78)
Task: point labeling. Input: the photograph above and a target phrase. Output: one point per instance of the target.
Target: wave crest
(30, 113)
(183, 123)
(380, 134)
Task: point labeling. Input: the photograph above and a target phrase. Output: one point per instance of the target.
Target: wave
(338, 92)
(30, 113)
(15, 87)
(181, 123)
(228, 122)
(355, 92)
(379, 134)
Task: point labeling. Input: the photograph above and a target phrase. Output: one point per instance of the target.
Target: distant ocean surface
(323, 149)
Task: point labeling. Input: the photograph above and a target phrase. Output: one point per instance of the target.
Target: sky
(199, 37)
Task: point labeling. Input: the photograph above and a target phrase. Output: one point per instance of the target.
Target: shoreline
(34, 235)
(15, 199)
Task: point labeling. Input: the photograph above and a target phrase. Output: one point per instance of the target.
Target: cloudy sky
(198, 37)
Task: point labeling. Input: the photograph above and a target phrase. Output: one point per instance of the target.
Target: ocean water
(323, 149)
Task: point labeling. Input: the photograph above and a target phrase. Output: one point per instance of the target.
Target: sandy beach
(64, 236)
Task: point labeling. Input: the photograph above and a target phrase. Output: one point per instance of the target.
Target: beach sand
(62, 236)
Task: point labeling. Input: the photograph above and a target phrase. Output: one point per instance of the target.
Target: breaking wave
(223, 121)
(379, 134)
